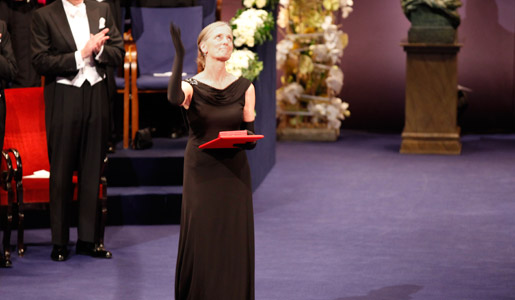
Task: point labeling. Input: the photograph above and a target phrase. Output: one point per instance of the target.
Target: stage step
(144, 187)
(158, 166)
(144, 205)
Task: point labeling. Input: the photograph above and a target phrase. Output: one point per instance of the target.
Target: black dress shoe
(5, 262)
(59, 253)
(93, 250)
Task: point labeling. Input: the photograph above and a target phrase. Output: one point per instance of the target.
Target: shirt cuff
(79, 61)
(97, 57)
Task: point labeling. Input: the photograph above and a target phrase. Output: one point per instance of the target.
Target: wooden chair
(25, 137)
(123, 84)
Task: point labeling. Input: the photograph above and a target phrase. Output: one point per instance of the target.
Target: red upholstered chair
(25, 141)
(6, 206)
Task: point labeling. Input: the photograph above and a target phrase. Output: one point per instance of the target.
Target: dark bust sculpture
(432, 21)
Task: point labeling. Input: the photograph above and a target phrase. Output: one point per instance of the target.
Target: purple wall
(486, 64)
(374, 64)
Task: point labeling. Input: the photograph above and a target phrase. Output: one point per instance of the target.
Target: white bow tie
(77, 11)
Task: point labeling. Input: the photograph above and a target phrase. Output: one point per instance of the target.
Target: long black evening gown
(216, 246)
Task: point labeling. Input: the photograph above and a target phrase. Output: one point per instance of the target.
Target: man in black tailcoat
(73, 43)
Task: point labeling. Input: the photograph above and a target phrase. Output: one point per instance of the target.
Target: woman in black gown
(216, 245)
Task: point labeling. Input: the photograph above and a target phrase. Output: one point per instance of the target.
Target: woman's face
(219, 43)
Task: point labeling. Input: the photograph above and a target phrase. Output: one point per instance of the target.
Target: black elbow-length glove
(175, 93)
(249, 126)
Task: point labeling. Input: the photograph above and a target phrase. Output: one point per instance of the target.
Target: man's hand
(95, 43)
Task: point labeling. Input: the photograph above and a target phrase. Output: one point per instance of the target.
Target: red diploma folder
(227, 139)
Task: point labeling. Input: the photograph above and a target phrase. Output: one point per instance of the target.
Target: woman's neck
(215, 69)
(215, 72)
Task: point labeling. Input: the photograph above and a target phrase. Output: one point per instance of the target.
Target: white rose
(334, 123)
(250, 41)
(335, 80)
(282, 17)
(238, 42)
(260, 3)
(332, 112)
(344, 3)
(283, 48)
(320, 109)
(320, 52)
(331, 36)
(346, 11)
(328, 21)
(292, 92)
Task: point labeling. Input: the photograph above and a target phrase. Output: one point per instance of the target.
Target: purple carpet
(350, 220)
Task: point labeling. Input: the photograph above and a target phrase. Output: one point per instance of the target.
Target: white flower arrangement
(244, 63)
(252, 27)
(309, 55)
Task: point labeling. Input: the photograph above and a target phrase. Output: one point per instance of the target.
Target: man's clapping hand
(95, 43)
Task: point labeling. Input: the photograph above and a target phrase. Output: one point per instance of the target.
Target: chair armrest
(134, 67)
(131, 54)
(6, 175)
(18, 171)
(126, 61)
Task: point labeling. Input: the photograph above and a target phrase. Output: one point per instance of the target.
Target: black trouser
(77, 126)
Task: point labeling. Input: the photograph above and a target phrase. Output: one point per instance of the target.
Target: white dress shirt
(78, 20)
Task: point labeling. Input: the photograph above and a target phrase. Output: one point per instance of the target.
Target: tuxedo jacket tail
(76, 117)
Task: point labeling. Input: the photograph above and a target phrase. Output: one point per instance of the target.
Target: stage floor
(349, 220)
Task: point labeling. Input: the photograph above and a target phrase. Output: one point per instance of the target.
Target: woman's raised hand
(175, 93)
(175, 32)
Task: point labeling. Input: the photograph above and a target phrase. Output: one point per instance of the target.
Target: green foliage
(264, 33)
(252, 72)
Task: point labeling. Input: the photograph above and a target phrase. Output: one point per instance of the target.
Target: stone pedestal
(431, 100)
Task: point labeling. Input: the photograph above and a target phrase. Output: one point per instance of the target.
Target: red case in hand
(227, 139)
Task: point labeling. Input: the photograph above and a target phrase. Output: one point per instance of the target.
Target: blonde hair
(204, 35)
